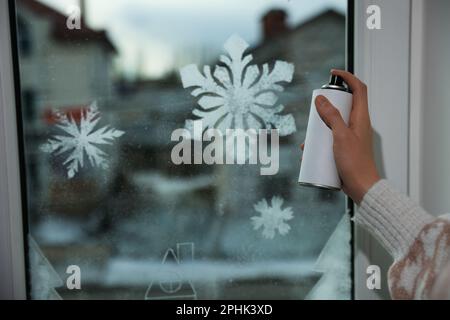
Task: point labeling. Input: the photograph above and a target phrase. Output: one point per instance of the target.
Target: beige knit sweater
(418, 242)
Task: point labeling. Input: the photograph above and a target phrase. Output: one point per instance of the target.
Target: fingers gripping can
(318, 168)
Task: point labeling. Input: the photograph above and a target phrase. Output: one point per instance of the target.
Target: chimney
(274, 23)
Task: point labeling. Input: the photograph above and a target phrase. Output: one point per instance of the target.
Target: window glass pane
(113, 205)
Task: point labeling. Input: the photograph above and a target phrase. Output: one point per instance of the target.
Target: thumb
(329, 114)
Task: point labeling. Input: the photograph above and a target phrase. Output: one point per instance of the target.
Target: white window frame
(383, 61)
(12, 260)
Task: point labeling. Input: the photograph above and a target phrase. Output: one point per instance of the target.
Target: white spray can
(318, 168)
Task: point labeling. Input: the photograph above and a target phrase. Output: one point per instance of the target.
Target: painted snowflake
(81, 139)
(272, 218)
(238, 95)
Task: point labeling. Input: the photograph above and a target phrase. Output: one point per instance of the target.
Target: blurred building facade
(80, 60)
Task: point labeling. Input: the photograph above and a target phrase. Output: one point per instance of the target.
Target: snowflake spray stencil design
(239, 95)
(273, 218)
(81, 139)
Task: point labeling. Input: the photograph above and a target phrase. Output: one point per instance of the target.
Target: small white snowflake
(239, 95)
(272, 218)
(81, 139)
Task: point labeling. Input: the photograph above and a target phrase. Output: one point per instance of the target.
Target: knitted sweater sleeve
(418, 242)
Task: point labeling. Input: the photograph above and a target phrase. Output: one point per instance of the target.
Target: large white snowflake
(81, 139)
(239, 95)
(273, 218)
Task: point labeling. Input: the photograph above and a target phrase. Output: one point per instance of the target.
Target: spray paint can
(318, 168)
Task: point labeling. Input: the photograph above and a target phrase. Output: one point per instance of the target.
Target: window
(104, 192)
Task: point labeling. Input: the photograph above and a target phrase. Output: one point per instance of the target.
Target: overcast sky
(156, 36)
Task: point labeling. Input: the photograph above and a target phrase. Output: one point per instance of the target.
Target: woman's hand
(352, 145)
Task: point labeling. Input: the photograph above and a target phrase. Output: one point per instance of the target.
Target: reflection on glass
(143, 227)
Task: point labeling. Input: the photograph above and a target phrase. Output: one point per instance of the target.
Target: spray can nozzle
(336, 83)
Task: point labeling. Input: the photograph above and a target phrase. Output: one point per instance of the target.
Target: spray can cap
(336, 83)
